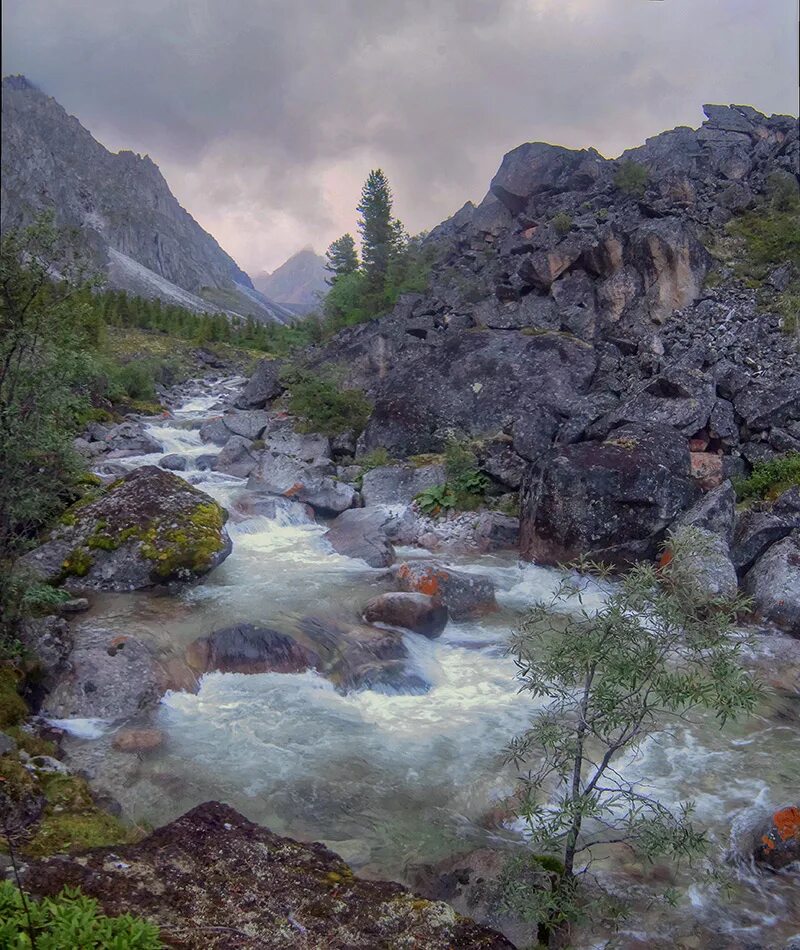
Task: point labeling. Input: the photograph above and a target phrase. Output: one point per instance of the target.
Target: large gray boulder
(236, 458)
(764, 524)
(611, 500)
(399, 484)
(263, 386)
(774, 584)
(281, 438)
(108, 675)
(149, 527)
(361, 533)
(300, 481)
(128, 439)
(715, 512)
(247, 423)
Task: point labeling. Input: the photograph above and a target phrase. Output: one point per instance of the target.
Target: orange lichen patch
(787, 822)
(118, 642)
(291, 492)
(665, 559)
(767, 842)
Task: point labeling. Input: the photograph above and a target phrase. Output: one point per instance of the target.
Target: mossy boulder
(214, 879)
(149, 527)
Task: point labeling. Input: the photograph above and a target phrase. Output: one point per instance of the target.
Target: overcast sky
(265, 117)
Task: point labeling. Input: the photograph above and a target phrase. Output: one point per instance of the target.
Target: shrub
(323, 406)
(562, 223)
(374, 459)
(631, 177)
(769, 479)
(655, 654)
(71, 919)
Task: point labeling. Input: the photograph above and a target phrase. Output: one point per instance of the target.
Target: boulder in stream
(361, 533)
(465, 595)
(225, 882)
(149, 527)
(780, 844)
(247, 648)
(108, 675)
(774, 584)
(301, 481)
(410, 611)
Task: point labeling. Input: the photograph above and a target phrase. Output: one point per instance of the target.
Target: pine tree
(378, 229)
(342, 258)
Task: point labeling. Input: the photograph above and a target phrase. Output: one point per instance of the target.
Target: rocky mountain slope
(298, 283)
(137, 233)
(616, 337)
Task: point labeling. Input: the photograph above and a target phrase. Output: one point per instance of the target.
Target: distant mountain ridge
(137, 232)
(298, 283)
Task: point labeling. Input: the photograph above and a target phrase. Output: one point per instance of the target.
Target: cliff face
(298, 283)
(137, 232)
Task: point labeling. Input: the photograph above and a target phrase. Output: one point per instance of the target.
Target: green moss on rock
(12, 706)
(194, 546)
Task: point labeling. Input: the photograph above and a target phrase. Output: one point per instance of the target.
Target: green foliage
(323, 406)
(769, 479)
(71, 919)
(342, 258)
(465, 485)
(45, 335)
(374, 459)
(436, 499)
(562, 222)
(12, 706)
(654, 654)
(631, 177)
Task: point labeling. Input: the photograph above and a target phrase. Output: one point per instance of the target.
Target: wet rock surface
(214, 879)
(465, 595)
(410, 611)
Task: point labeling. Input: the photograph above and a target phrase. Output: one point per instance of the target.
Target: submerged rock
(464, 595)
(213, 879)
(150, 527)
(246, 648)
(411, 611)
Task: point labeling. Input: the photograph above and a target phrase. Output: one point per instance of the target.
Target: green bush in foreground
(69, 920)
(656, 654)
(770, 479)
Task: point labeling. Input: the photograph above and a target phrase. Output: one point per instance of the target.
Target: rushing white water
(389, 779)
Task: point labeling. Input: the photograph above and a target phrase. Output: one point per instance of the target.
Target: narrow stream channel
(390, 779)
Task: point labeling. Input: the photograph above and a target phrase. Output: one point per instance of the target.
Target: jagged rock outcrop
(149, 527)
(573, 302)
(213, 879)
(131, 224)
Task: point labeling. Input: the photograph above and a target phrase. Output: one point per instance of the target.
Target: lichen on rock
(147, 528)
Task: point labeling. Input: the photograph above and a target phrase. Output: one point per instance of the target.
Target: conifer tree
(342, 258)
(378, 229)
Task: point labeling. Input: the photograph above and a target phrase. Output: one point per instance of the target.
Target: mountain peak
(298, 283)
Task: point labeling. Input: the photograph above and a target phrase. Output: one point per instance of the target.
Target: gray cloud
(265, 116)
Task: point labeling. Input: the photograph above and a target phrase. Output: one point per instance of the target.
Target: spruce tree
(378, 228)
(342, 258)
